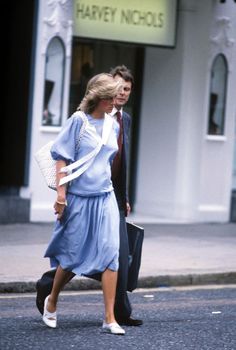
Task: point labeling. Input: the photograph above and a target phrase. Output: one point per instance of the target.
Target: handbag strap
(84, 162)
(83, 127)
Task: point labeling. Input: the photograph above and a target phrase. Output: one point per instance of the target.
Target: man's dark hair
(123, 72)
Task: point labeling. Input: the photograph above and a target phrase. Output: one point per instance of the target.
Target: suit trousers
(122, 304)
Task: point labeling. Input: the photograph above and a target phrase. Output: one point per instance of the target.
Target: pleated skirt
(86, 239)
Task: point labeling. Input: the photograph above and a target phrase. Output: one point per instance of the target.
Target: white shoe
(112, 328)
(49, 318)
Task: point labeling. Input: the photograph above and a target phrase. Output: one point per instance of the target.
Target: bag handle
(87, 160)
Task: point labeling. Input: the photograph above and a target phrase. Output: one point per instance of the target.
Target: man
(123, 308)
(119, 177)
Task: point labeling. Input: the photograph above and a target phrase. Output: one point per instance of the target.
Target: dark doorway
(90, 57)
(15, 116)
(18, 45)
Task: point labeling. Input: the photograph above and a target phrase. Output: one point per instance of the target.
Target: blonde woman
(85, 240)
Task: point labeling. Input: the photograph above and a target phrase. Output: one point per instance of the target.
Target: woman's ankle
(110, 319)
(51, 304)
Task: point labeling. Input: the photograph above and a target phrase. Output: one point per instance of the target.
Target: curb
(143, 282)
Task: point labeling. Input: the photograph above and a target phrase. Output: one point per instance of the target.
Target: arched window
(53, 86)
(217, 98)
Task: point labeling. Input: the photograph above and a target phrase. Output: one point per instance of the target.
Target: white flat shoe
(49, 318)
(112, 328)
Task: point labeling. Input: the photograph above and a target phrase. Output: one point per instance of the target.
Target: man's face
(122, 98)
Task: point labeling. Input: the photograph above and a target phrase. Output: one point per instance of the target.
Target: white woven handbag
(47, 164)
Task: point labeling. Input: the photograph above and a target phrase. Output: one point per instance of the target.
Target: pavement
(174, 254)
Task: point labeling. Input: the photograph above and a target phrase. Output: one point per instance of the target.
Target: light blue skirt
(86, 239)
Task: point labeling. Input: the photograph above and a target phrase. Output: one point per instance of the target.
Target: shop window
(82, 69)
(217, 98)
(53, 85)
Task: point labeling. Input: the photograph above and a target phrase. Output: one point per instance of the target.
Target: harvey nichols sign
(148, 22)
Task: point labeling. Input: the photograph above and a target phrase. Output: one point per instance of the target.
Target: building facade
(183, 155)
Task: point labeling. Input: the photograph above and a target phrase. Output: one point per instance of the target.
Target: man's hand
(128, 208)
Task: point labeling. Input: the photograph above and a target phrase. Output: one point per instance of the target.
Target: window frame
(217, 130)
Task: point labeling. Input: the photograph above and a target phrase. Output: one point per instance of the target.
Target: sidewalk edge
(144, 282)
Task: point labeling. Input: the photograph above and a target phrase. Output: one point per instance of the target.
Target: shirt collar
(114, 110)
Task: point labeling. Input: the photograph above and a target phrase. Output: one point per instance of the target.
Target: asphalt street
(198, 318)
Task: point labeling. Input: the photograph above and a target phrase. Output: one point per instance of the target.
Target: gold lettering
(129, 16)
(113, 12)
(106, 11)
(125, 16)
(161, 20)
(142, 18)
(149, 19)
(94, 12)
(136, 17)
(137, 14)
(86, 12)
(79, 9)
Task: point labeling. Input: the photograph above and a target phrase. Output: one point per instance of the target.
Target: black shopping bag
(135, 237)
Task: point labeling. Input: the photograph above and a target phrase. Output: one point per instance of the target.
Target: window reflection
(217, 96)
(82, 69)
(53, 86)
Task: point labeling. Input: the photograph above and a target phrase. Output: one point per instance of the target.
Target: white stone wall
(217, 151)
(182, 174)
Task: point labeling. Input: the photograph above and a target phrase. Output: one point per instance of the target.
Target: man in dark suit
(123, 308)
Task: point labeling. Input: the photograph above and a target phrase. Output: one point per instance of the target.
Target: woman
(85, 240)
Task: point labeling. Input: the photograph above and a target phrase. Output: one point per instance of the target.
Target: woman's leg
(60, 279)
(109, 281)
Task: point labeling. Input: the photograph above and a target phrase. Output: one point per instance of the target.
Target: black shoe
(40, 297)
(43, 288)
(129, 322)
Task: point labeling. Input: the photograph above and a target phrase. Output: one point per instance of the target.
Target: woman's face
(107, 105)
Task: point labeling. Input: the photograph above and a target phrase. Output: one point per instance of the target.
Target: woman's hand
(60, 204)
(59, 208)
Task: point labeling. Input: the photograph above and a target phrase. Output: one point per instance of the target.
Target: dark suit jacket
(121, 186)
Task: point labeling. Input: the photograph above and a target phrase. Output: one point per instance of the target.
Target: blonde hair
(100, 87)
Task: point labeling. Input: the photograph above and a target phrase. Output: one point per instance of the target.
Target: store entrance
(16, 80)
(15, 110)
(91, 57)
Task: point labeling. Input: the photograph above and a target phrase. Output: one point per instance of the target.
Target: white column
(54, 19)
